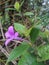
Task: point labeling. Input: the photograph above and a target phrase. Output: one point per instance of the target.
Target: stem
(1, 29)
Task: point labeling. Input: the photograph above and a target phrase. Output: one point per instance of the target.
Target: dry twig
(7, 54)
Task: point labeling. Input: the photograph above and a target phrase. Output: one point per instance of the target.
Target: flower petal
(7, 35)
(19, 38)
(11, 30)
(8, 41)
(16, 34)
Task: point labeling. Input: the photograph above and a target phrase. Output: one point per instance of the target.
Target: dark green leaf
(34, 34)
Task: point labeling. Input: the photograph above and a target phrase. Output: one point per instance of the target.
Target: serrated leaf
(34, 34)
(18, 51)
(28, 59)
(20, 28)
(43, 52)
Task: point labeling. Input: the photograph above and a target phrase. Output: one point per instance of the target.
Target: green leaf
(28, 14)
(20, 28)
(43, 52)
(22, 3)
(34, 34)
(10, 9)
(28, 59)
(18, 51)
(17, 6)
(47, 33)
(44, 34)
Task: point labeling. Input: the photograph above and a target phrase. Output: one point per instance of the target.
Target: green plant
(23, 52)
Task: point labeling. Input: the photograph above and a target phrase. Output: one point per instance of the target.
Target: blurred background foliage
(39, 8)
(31, 12)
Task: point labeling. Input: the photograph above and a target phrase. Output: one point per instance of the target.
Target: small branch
(1, 30)
(19, 41)
(4, 2)
(12, 40)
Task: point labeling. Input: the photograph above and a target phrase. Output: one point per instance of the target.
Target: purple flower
(10, 35)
